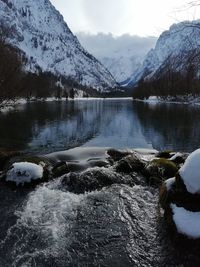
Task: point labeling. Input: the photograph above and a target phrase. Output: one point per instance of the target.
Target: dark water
(47, 127)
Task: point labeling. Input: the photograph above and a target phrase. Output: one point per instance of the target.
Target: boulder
(180, 198)
(117, 155)
(21, 173)
(26, 171)
(130, 163)
(158, 170)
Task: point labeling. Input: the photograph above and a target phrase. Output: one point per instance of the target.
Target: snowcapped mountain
(41, 33)
(173, 47)
(122, 55)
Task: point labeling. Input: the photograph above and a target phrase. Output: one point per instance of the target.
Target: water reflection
(170, 126)
(46, 127)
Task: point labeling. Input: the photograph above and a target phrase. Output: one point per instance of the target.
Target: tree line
(16, 81)
(178, 76)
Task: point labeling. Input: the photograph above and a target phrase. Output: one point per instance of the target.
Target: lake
(42, 127)
(117, 225)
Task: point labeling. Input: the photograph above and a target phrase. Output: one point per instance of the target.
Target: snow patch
(22, 172)
(187, 222)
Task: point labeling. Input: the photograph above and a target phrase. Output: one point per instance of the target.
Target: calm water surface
(46, 127)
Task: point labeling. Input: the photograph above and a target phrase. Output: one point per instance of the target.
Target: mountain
(173, 49)
(40, 31)
(122, 55)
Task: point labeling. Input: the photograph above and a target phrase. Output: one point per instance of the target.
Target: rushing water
(46, 127)
(118, 225)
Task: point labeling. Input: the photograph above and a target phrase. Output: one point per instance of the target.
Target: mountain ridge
(176, 43)
(42, 34)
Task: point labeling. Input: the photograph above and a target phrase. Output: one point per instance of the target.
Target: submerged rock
(95, 179)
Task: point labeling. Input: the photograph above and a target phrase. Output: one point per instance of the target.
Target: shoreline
(155, 100)
(9, 106)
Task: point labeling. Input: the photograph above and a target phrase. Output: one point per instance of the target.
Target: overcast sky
(136, 17)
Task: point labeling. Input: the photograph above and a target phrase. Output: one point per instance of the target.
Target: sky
(118, 17)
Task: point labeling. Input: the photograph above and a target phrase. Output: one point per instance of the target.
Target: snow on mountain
(40, 31)
(122, 55)
(176, 43)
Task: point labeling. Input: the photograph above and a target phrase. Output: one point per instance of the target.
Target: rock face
(180, 198)
(40, 31)
(173, 46)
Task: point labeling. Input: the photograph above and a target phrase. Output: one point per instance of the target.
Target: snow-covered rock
(190, 172)
(176, 43)
(24, 172)
(180, 198)
(187, 222)
(40, 31)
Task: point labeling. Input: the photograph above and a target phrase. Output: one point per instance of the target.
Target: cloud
(140, 17)
(107, 45)
(121, 55)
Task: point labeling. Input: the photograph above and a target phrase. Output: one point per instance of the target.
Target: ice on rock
(190, 172)
(169, 183)
(24, 172)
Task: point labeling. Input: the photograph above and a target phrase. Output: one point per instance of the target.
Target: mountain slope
(173, 47)
(40, 31)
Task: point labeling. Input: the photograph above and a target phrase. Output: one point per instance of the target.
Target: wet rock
(5, 156)
(95, 179)
(131, 163)
(164, 154)
(179, 158)
(158, 170)
(117, 155)
(60, 169)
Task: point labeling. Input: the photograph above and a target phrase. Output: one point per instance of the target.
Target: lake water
(119, 225)
(44, 127)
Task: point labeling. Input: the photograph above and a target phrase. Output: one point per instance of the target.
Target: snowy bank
(182, 99)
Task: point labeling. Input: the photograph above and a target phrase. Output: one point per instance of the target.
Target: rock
(22, 173)
(131, 163)
(60, 169)
(117, 155)
(190, 174)
(19, 171)
(160, 169)
(179, 158)
(94, 179)
(164, 154)
(180, 198)
(5, 156)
